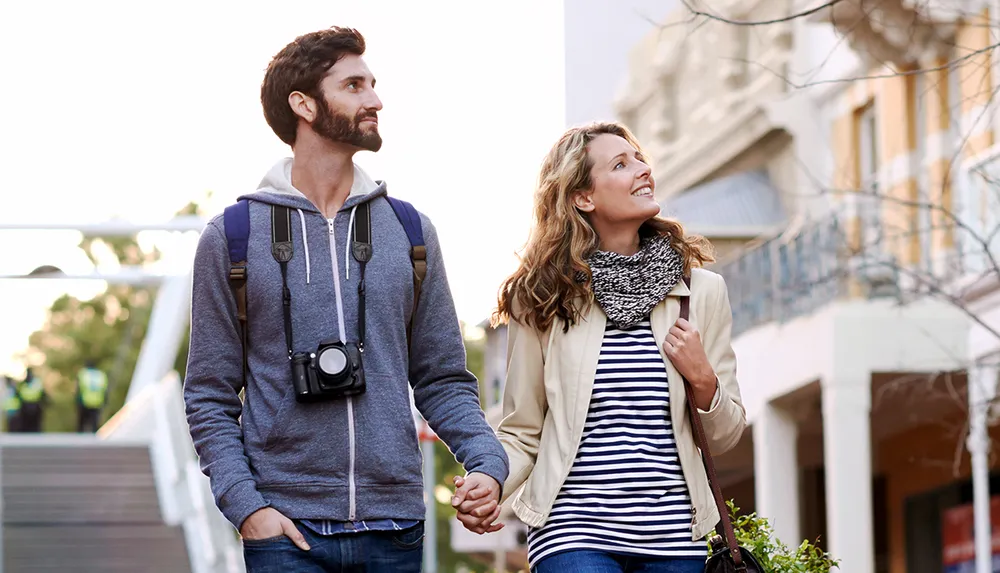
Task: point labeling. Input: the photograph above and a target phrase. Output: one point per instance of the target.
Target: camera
(333, 371)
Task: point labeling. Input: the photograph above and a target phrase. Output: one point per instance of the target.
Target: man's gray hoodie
(350, 459)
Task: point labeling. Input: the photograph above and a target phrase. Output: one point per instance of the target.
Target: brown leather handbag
(727, 556)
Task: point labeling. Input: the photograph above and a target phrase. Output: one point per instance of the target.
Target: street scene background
(842, 158)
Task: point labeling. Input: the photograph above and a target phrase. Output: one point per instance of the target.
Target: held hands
(477, 499)
(267, 522)
(684, 349)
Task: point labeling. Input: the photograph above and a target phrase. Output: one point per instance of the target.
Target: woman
(594, 417)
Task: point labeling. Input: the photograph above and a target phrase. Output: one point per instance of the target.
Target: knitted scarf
(628, 287)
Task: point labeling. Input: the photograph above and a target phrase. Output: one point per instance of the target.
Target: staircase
(128, 500)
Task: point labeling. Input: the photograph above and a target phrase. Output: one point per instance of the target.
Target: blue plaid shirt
(330, 527)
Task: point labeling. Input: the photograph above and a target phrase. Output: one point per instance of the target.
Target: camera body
(333, 371)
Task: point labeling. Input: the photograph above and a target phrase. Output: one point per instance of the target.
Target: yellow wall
(897, 105)
(935, 100)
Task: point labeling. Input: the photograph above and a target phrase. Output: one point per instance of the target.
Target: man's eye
(352, 85)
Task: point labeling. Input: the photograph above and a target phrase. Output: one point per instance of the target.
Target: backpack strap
(410, 220)
(236, 219)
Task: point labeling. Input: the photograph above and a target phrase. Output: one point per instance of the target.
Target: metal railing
(787, 276)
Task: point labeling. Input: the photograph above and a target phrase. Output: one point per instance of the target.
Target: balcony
(801, 270)
(898, 31)
(787, 276)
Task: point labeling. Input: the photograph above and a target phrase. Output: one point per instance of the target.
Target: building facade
(842, 162)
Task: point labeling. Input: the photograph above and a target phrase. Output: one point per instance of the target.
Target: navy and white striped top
(625, 493)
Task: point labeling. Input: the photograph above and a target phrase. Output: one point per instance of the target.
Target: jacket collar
(680, 289)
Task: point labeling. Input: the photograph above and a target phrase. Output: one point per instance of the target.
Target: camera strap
(361, 248)
(282, 251)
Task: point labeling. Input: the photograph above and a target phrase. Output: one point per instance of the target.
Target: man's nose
(373, 101)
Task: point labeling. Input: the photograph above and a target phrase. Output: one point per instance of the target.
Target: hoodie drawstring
(347, 248)
(305, 241)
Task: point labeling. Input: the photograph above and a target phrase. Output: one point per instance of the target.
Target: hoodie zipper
(351, 515)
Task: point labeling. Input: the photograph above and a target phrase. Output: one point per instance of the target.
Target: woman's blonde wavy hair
(544, 286)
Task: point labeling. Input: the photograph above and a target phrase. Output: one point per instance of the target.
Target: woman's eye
(619, 164)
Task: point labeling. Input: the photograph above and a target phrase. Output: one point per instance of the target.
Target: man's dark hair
(300, 66)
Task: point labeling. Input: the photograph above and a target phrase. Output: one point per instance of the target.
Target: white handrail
(156, 415)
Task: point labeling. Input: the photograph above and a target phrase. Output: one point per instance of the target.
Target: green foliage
(445, 470)
(756, 534)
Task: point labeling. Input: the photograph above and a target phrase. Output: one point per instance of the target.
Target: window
(924, 222)
(980, 212)
(869, 163)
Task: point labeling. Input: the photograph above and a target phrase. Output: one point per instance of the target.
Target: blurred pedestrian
(33, 400)
(11, 404)
(91, 395)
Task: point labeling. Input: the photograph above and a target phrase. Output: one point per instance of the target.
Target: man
(91, 394)
(33, 398)
(316, 474)
(11, 404)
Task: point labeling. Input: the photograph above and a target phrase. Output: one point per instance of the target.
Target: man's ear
(303, 105)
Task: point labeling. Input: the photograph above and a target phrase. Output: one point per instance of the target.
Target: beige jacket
(550, 377)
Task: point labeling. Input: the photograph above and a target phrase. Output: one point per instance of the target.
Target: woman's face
(623, 185)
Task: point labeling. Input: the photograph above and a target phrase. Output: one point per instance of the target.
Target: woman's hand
(684, 349)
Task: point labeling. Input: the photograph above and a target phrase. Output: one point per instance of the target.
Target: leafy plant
(756, 534)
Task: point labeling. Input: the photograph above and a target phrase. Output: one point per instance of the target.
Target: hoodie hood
(276, 189)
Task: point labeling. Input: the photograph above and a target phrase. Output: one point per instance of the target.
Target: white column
(982, 390)
(848, 466)
(776, 472)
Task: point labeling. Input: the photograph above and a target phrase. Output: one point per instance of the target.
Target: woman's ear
(584, 201)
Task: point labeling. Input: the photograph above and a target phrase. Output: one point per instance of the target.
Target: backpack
(237, 223)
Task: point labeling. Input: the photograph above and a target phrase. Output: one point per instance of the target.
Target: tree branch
(894, 74)
(803, 14)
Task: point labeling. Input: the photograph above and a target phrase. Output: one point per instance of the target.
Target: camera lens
(332, 361)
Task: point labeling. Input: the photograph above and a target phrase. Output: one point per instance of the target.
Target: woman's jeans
(601, 562)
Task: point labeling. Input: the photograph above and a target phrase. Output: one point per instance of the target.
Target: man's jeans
(365, 552)
(601, 562)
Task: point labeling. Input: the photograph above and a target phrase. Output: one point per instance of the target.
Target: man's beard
(342, 129)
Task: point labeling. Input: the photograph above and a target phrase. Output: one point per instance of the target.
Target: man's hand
(477, 499)
(267, 522)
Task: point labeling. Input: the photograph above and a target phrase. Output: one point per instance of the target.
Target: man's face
(347, 110)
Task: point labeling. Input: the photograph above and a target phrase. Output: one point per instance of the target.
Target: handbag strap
(706, 455)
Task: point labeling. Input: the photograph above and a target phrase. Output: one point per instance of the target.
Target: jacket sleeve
(725, 421)
(444, 391)
(524, 403)
(214, 380)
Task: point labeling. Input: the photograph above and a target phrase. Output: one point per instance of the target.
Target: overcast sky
(133, 109)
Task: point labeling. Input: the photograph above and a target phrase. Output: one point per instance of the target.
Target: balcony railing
(787, 276)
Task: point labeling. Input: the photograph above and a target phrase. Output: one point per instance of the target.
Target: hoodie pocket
(388, 452)
(274, 432)
(308, 443)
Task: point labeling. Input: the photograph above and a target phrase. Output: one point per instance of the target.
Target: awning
(745, 204)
